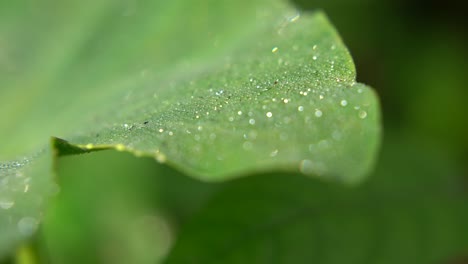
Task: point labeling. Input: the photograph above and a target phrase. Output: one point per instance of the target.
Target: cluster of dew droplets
(324, 97)
(13, 186)
(266, 104)
(12, 180)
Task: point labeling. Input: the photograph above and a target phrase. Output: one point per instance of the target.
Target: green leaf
(218, 90)
(396, 217)
(24, 188)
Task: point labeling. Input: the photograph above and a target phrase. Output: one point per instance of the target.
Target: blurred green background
(412, 52)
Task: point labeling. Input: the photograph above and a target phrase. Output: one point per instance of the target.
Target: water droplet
(199, 128)
(252, 121)
(269, 114)
(286, 101)
(295, 18)
(160, 157)
(27, 226)
(161, 130)
(344, 103)
(323, 143)
(274, 50)
(305, 166)
(239, 112)
(309, 167)
(314, 47)
(128, 127)
(171, 133)
(274, 153)
(321, 97)
(314, 57)
(6, 203)
(150, 229)
(120, 147)
(362, 114)
(318, 113)
(300, 108)
(231, 119)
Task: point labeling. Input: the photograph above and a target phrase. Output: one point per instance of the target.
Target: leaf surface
(217, 90)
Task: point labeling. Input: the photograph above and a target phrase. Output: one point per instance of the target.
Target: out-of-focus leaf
(115, 208)
(396, 217)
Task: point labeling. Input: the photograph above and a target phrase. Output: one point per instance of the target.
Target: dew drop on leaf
(27, 225)
(274, 153)
(318, 113)
(362, 114)
(6, 203)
